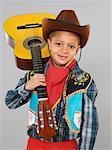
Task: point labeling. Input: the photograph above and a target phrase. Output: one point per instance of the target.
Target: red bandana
(55, 80)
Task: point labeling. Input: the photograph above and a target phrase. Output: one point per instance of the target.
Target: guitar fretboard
(38, 68)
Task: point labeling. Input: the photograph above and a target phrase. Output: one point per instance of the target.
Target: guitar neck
(41, 90)
(37, 60)
(38, 68)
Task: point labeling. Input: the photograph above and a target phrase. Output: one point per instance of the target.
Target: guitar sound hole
(34, 42)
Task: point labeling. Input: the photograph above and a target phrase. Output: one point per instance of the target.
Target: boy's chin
(59, 64)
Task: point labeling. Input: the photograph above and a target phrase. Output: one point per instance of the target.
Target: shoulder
(79, 80)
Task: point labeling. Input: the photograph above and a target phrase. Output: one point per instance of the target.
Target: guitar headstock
(46, 120)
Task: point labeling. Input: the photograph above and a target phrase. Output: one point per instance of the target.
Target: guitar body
(19, 30)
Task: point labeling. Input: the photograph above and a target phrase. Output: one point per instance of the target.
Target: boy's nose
(65, 49)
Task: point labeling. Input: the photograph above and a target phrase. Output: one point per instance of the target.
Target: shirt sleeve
(89, 126)
(19, 96)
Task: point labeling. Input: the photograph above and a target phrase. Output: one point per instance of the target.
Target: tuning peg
(42, 126)
(54, 115)
(48, 111)
(51, 125)
(49, 118)
(56, 128)
(41, 119)
(54, 121)
(37, 129)
(40, 112)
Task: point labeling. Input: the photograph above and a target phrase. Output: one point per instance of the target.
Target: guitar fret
(40, 93)
(42, 96)
(35, 59)
(38, 70)
(43, 99)
(41, 87)
(41, 90)
(38, 67)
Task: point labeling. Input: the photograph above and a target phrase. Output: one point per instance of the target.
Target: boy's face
(63, 46)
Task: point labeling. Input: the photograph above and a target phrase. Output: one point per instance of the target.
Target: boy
(71, 91)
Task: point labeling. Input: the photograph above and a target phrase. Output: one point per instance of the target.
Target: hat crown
(68, 16)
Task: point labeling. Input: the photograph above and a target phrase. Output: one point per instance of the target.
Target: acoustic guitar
(19, 31)
(24, 34)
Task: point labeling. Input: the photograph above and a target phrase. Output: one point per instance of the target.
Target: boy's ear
(49, 43)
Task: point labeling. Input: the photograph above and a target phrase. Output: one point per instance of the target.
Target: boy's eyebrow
(57, 40)
(73, 43)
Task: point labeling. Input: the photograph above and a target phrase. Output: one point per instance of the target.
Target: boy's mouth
(62, 57)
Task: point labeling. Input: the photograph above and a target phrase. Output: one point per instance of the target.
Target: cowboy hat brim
(50, 25)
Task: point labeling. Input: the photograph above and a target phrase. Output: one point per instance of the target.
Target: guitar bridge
(27, 26)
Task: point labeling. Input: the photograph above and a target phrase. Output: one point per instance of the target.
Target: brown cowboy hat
(66, 21)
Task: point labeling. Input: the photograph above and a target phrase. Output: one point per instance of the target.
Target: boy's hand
(35, 81)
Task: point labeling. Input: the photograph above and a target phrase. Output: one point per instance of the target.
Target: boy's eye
(58, 44)
(72, 47)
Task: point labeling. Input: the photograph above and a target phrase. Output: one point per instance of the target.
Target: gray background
(96, 59)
